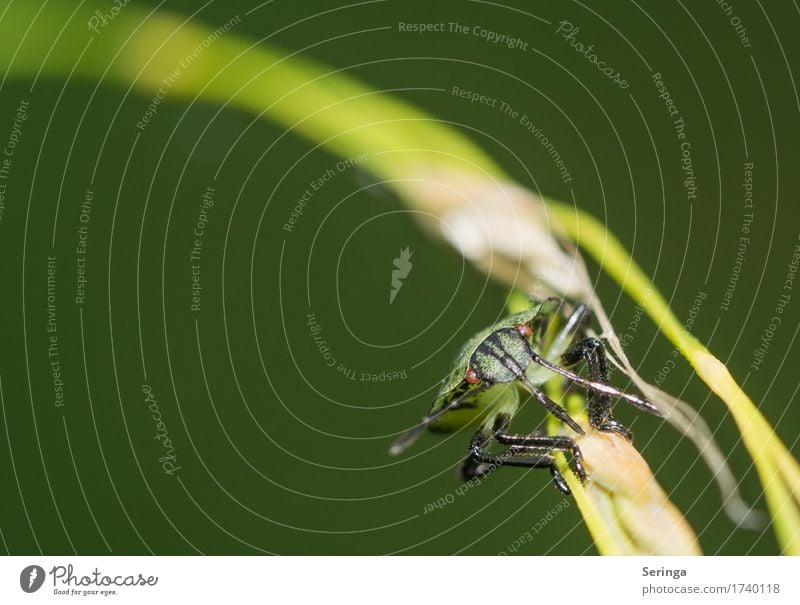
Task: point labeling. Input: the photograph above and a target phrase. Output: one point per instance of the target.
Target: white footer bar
(399, 580)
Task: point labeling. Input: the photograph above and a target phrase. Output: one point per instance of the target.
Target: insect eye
(524, 329)
(472, 376)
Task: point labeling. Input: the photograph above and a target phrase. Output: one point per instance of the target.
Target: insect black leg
(594, 385)
(479, 457)
(475, 469)
(551, 406)
(546, 443)
(535, 451)
(592, 352)
(476, 465)
(535, 442)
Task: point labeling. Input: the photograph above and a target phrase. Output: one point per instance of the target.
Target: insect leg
(479, 458)
(473, 468)
(592, 352)
(551, 406)
(548, 443)
(597, 387)
(574, 325)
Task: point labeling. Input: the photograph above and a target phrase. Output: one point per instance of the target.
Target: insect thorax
(502, 356)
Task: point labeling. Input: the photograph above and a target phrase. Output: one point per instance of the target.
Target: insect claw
(612, 426)
(577, 466)
(559, 480)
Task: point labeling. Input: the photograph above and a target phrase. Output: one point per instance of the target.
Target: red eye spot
(472, 376)
(525, 330)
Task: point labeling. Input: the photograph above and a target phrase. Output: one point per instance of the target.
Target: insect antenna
(598, 386)
(411, 435)
(551, 406)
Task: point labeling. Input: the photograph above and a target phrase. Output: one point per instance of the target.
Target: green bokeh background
(294, 459)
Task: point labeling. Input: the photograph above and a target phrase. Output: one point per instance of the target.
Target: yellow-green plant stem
(777, 468)
(598, 526)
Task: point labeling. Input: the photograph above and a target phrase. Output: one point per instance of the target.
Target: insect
(521, 352)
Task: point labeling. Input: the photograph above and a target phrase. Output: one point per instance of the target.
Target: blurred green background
(280, 453)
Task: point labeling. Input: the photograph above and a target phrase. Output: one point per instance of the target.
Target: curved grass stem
(777, 469)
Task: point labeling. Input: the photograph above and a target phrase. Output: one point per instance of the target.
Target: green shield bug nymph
(485, 380)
